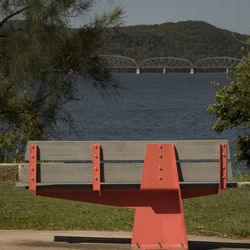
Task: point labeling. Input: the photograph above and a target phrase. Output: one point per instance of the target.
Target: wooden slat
(119, 172)
(229, 172)
(201, 172)
(123, 150)
(61, 172)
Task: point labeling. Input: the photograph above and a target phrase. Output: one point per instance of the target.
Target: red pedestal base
(160, 226)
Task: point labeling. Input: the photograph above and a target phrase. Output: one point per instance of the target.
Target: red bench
(151, 176)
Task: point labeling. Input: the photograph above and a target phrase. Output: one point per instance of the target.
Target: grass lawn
(227, 215)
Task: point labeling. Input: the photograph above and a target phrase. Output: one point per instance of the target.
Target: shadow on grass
(193, 245)
(104, 240)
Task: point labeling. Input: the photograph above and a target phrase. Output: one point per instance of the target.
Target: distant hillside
(190, 39)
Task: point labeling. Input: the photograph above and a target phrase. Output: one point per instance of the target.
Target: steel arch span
(166, 62)
(217, 63)
(118, 62)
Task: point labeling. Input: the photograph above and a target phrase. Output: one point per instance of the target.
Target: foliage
(242, 177)
(189, 39)
(233, 107)
(41, 58)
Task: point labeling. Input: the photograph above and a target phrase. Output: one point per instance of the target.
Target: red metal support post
(160, 224)
(32, 167)
(223, 166)
(96, 168)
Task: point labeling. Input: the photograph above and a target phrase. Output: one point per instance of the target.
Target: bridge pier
(227, 71)
(192, 71)
(164, 71)
(138, 71)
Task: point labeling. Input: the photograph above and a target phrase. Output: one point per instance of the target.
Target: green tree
(41, 57)
(233, 107)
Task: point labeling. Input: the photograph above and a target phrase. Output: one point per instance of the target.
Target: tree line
(191, 40)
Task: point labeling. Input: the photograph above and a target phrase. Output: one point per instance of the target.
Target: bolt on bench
(151, 176)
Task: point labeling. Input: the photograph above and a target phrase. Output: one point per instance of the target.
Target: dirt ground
(40, 240)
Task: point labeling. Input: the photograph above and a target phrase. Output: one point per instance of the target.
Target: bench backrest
(122, 161)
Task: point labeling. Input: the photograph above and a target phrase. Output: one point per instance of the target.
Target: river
(149, 106)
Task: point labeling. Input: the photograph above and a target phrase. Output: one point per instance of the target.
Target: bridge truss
(166, 62)
(118, 62)
(217, 63)
(123, 62)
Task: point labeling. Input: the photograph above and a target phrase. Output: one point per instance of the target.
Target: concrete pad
(38, 240)
(242, 184)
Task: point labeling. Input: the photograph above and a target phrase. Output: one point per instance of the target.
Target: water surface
(147, 107)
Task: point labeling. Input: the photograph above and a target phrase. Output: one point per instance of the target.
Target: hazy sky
(227, 14)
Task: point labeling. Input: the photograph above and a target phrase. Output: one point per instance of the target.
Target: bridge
(165, 63)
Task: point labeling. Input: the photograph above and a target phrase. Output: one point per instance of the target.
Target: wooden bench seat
(122, 164)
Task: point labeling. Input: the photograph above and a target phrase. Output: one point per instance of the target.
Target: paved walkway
(43, 240)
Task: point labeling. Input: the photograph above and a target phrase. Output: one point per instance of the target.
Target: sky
(232, 15)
